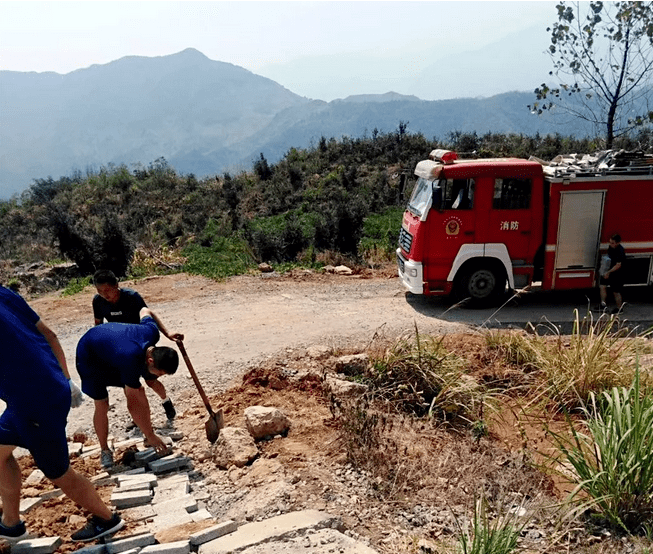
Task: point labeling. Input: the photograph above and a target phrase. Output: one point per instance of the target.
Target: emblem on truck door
(452, 226)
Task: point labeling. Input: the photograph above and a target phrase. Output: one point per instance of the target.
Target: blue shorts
(43, 435)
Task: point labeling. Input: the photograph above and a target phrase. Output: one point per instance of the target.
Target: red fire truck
(474, 226)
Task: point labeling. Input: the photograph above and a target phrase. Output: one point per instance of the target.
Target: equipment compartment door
(579, 229)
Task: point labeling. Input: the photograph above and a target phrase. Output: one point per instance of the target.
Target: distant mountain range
(207, 117)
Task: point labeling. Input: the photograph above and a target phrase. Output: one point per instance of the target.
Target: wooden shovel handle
(180, 345)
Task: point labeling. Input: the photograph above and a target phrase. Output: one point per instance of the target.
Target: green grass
(224, 257)
(491, 535)
(75, 285)
(611, 457)
(380, 235)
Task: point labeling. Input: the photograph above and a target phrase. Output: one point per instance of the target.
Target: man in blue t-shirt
(118, 355)
(36, 386)
(123, 305)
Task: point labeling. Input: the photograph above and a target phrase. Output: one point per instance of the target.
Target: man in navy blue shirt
(35, 384)
(614, 277)
(119, 355)
(123, 305)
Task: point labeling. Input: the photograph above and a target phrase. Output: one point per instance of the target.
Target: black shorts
(616, 285)
(44, 435)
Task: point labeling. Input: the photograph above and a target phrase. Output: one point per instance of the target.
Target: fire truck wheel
(483, 285)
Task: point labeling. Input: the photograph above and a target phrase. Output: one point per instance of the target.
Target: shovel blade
(213, 426)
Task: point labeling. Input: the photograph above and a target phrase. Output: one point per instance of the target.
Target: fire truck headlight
(412, 272)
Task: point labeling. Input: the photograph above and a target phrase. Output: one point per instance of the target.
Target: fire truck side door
(579, 227)
(510, 218)
(451, 223)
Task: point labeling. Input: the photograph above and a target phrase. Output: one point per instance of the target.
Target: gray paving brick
(139, 513)
(126, 486)
(179, 547)
(128, 543)
(169, 519)
(89, 451)
(45, 545)
(95, 549)
(201, 515)
(52, 494)
(168, 493)
(169, 463)
(214, 532)
(131, 479)
(131, 499)
(281, 526)
(186, 502)
(147, 455)
(26, 504)
(102, 479)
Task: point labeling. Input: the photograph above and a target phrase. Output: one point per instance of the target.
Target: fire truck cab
(473, 227)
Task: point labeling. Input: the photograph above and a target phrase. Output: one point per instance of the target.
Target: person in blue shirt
(123, 305)
(119, 355)
(36, 386)
(614, 277)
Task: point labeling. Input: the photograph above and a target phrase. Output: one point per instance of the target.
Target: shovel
(216, 420)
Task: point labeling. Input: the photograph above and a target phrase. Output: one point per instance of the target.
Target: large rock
(265, 422)
(235, 446)
(353, 364)
(341, 388)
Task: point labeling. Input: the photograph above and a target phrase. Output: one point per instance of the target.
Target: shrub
(75, 285)
(420, 376)
(281, 238)
(612, 460)
(219, 256)
(380, 235)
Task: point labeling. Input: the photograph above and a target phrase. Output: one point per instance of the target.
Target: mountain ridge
(204, 117)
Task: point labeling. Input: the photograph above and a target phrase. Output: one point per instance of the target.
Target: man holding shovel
(118, 355)
(122, 305)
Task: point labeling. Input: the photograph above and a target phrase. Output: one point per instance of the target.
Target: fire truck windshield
(422, 197)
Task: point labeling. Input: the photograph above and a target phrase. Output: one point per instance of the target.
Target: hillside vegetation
(340, 200)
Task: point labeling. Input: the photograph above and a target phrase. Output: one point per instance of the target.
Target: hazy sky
(64, 36)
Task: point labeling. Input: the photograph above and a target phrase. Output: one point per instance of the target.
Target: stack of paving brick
(151, 502)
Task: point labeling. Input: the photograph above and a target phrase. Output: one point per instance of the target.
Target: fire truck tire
(484, 285)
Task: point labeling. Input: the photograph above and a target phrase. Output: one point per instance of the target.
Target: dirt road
(233, 324)
(230, 325)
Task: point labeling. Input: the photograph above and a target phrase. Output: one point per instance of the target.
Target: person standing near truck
(614, 277)
(123, 305)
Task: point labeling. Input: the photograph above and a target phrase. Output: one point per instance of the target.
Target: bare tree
(603, 54)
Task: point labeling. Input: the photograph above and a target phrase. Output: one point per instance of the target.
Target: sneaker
(15, 533)
(170, 409)
(106, 458)
(96, 528)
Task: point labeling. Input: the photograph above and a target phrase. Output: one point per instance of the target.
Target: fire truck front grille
(405, 240)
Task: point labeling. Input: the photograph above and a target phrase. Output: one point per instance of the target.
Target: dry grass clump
(419, 375)
(597, 356)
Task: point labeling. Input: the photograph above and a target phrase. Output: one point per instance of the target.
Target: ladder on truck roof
(601, 164)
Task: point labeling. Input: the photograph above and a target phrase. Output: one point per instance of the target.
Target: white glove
(76, 396)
